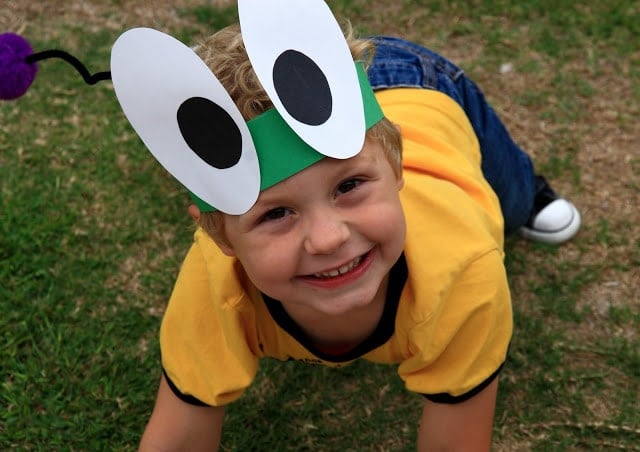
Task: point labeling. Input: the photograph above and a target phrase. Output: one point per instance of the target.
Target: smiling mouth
(344, 269)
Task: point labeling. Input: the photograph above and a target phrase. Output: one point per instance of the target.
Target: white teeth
(341, 270)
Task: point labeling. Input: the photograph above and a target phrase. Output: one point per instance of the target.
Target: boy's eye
(348, 185)
(275, 214)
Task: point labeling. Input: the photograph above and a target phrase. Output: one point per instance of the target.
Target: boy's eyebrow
(342, 167)
(271, 197)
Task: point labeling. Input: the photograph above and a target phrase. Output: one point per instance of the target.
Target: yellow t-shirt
(447, 320)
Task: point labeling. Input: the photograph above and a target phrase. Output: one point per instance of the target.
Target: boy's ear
(400, 181)
(225, 247)
(194, 212)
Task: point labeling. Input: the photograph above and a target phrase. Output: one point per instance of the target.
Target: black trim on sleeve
(191, 400)
(444, 397)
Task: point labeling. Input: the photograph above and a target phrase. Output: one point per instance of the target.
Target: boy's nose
(325, 233)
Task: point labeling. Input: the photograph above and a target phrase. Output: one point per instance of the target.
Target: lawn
(93, 231)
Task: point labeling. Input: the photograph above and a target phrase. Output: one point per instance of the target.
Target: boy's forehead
(330, 167)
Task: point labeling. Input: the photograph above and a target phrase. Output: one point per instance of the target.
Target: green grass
(92, 233)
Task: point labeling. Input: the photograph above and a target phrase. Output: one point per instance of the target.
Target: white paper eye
(186, 118)
(300, 56)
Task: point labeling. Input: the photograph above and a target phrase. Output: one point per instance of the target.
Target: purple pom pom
(16, 75)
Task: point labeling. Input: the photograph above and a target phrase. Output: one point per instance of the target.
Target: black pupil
(302, 88)
(210, 132)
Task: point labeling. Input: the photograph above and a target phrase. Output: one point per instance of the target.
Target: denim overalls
(509, 171)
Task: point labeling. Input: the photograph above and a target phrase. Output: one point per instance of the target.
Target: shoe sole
(554, 237)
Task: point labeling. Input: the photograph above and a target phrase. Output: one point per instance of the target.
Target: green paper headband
(281, 152)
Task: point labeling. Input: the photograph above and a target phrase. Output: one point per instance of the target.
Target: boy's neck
(349, 335)
(344, 332)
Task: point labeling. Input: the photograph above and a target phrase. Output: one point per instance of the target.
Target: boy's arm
(176, 425)
(465, 426)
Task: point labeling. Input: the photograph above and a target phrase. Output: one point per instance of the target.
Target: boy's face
(325, 238)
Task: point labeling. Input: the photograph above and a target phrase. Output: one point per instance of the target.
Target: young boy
(390, 257)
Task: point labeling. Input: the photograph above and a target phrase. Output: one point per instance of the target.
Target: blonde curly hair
(224, 53)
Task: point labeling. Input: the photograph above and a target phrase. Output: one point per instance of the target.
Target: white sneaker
(553, 220)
